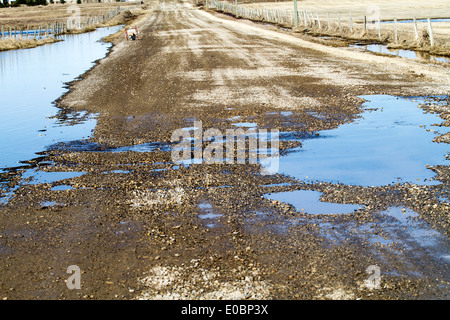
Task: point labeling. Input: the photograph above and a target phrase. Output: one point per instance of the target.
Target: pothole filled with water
(308, 201)
(390, 142)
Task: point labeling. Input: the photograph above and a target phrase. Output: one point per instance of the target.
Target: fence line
(59, 28)
(290, 18)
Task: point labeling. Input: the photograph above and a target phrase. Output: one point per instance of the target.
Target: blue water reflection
(387, 145)
(30, 80)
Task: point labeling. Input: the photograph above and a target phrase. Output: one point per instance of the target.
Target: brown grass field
(36, 16)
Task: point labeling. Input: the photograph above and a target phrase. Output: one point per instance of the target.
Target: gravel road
(142, 227)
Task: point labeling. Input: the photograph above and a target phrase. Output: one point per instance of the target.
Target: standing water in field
(30, 80)
(409, 54)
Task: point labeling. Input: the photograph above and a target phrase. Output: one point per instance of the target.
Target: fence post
(416, 32)
(329, 23)
(379, 28)
(296, 14)
(430, 30)
(351, 23)
(237, 9)
(365, 23)
(339, 20)
(395, 30)
(318, 20)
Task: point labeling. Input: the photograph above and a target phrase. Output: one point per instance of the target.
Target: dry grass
(387, 10)
(406, 38)
(13, 44)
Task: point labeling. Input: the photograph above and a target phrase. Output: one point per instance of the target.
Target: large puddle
(391, 142)
(308, 201)
(30, 80)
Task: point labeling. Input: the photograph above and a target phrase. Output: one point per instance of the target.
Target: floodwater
(30, 80)
(409, 54)
(308, 201)
(37, 177)
(391, 142)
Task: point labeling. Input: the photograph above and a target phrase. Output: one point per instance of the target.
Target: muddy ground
(132, 222)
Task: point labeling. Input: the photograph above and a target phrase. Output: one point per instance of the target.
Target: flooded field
(408, 54)
(31, 79)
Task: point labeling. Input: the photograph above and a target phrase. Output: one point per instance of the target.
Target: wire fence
(344, 24)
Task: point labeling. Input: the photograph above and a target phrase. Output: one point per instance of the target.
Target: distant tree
(62, 1)
(78, 1)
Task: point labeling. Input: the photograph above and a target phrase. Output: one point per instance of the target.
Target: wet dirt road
(140, 226)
